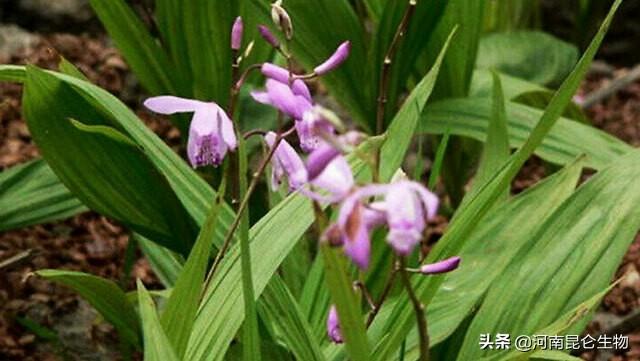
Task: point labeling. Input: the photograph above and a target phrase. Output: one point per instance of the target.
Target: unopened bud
(338, 57)
(444, 266)
(236, 34)
(281, 19)
(268, 36)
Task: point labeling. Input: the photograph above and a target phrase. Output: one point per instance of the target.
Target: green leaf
(482, 85)
(68, 68)
(590, 231)
(438, 160)
(32, 194)
(104, 168)
(206, 31)
(340, 285)
(105, 296)
(403, 126)
(458, 65)
(565, 141)
(494, 243)
(531, 55)
(191, 189)
(181, 308)
(496, 147)
(166, 264)
(400, 321)
(272, 238)
(575, 316)
(279, 309)
(157, 346)
(12, 73)
(144, 55)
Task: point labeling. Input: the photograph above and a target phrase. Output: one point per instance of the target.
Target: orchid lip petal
(167, 104)
(443, 266)
(287, 162)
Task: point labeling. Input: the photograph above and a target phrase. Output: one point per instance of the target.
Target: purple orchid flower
(211, 133)
(286, 162)
(294, 101)
(236, 34)
(336, 179)
(333, 325)
(339, 56)
(443, 266)
(298, 87)
(282, 97)
(406, 207)
(355, 222)
(408, 204)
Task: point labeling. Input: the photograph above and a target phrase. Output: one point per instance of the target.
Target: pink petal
(167, 104)
(336, 59)
(443, 266)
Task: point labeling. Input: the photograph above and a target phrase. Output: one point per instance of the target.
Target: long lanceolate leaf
(144, 55)
(32, 194)
(279, 309)
(156, 344)
(105, 296)
(400, 321)
(114, 178)
(180, 311)
(192, 190)
(569, 259)
(567, 139)
(499, 236)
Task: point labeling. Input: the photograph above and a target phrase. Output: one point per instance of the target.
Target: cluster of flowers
(326, 176)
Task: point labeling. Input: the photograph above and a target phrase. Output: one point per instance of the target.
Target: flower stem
(383, 296)
(418, 308)
(388, 61)
(384, 77)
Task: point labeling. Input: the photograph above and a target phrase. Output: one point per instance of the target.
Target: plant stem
(388, 61)
(384, 78)
(418, 308)
(383, 296)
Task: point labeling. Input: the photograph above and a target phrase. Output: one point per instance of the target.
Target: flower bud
(333, 326)
(444, 266)
(339, 56)
(268, 36)
(236, 34)
(281, 19)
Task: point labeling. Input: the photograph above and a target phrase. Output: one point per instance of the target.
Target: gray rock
(59, 10)
(13, 39)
